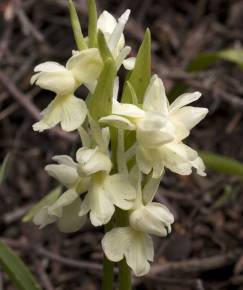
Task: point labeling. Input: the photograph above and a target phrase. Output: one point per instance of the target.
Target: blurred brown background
(205, 249)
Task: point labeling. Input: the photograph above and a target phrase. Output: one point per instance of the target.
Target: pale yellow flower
(82, 68)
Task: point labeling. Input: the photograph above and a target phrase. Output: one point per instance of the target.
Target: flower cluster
(102, 180)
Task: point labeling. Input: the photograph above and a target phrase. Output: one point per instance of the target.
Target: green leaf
(4, 168)
(233, 55)
(16, 269)
(103, 47)
(92, 29)
(100, 103)
(202, 62)
(222, 164)
(141, 74)
(49, 199)
(77, 31)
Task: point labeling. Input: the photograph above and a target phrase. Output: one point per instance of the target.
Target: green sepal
(49, 199)
(141, 74)
(17, 271)
(103, 47)
(100, 103)
(133, 94)
(92, 29)
(77, 31)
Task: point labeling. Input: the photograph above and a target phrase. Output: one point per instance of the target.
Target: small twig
(67, 261)
(12, 216)
(63, 260)
(196, 266)
(6, 38)
(27, 26)
(43, 276)
(193, 284)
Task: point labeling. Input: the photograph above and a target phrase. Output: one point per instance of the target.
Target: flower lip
(153, 218)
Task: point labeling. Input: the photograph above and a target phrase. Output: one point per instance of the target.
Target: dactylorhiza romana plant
(129, 137)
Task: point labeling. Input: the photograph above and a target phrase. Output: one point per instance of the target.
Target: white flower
(106, 192)
(136, 247)
(183, 117)
(146, 217)
(175, 156)
(160, 129)
(153, 218)
(113, 32)
(153, 128)
(66, 172)
(64, 211)
(82, 68)
(91, 174)
(91, 161)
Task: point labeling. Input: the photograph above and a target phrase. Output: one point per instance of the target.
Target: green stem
(108, 267)
(125, 277)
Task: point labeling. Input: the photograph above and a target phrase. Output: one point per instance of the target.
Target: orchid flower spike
(113, 32)
(82, 68)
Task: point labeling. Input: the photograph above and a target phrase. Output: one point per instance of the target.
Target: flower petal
(92, 161)
(129, 63)
(154, 218)
(70, 221)
(155, 99)
(150, 159)
(137, 248)
(43, 218)
(99, 204)
(127, 110)
(74, 112)
(117, 33)
(52, 115)
(184, 100)
(68, 110)
(189, 116)
(106, 22)
(66, 175)
(121, 192)
(65, 160)
(60, 82)
(143, 160)
(150, 189)
(86, 65)
(67, 198)
(115, 243)
(154, 130)
(118, 122)
(123, 53)
(49, 66)
(180, 158)
(139, 252)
